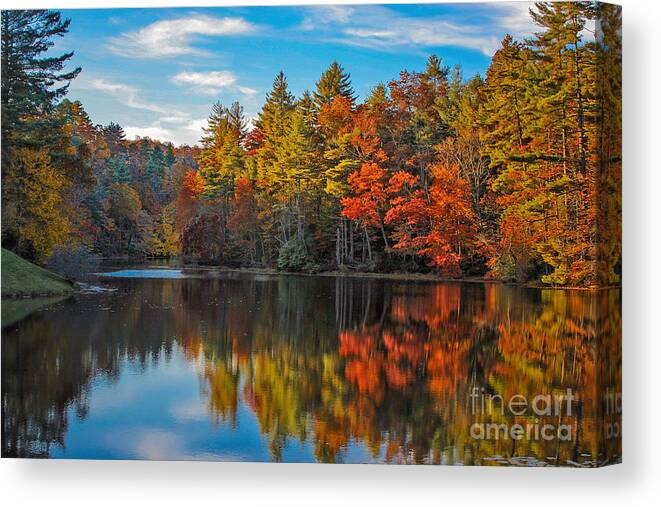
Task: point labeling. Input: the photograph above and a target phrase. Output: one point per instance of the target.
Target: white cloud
(173, 118)
(515, 18)
(196, 125)
(211, 83)
(175, 37)
(382, 28)
(153, 132)
(175, 129)
(327, 14)
(339, 13)
(126, 94)
(421, 34)
(424, 32)
(361, 32)
(247, 91)
(193, 130)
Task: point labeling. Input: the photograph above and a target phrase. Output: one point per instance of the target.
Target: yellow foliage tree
(165, 241)
(41, 215)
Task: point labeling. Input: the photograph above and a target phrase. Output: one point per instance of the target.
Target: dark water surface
(174, 364)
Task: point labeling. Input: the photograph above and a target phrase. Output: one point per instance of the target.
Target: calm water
(196, 365)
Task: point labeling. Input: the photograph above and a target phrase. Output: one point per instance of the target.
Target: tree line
(514, 175)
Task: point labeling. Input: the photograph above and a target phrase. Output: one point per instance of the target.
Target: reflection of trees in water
(48, 362)
(388, 364)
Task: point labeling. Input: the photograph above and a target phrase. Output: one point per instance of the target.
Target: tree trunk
(351, 241)
(385, 239)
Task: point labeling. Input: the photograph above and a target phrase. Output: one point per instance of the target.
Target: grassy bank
(21, 278)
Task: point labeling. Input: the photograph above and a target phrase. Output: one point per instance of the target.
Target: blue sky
(158, 71)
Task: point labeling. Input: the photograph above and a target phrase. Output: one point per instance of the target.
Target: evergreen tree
(156, 169)
(294, 163)
(334, 82)
(273, 122)
(377, 100)
(170, 157)
(221, 159)
(237, 120)
(305, 105)
(118, 170)
(114, 135)
(565, 95)
(31, 81)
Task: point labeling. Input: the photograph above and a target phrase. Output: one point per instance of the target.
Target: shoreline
(411, 277)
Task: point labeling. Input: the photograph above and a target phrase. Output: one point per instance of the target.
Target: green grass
(21, 278)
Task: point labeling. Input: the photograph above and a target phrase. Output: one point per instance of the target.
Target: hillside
(21, 278)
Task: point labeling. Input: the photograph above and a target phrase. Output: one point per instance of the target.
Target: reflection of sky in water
(145, 273)
(157, 272)
(165, 416)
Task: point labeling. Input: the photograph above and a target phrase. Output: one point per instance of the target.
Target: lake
(208, 365)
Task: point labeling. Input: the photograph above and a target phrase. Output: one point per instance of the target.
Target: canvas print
(333, 233)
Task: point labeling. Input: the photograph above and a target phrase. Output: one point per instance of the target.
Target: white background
(636, 482)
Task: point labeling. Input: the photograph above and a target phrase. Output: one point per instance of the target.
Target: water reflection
(314, 369)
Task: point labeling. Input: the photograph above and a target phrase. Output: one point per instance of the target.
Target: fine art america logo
(546, 413)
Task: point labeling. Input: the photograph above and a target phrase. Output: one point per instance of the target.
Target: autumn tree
(221, 161)
(334, 82)
(32, 82)
(408, 213)
(123, 208)
(416, 124)
(451, 237)
(242, 222)
(368, 201)
(191, 189)
(39, 214)
(164, 239)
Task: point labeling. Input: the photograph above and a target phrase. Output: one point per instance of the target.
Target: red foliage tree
(451, 219)
(408, 212)
(438, 225)
(189, 193)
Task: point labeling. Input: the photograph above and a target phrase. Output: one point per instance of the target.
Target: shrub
(73, 263)
(293, 256)
(503, 268)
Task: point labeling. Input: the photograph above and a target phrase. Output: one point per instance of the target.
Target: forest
(512, 176)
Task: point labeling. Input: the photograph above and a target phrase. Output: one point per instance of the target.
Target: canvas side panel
(608, 31)
(608, 178)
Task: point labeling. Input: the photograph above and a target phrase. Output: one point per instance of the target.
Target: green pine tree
(32, 81)
(334, 82)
